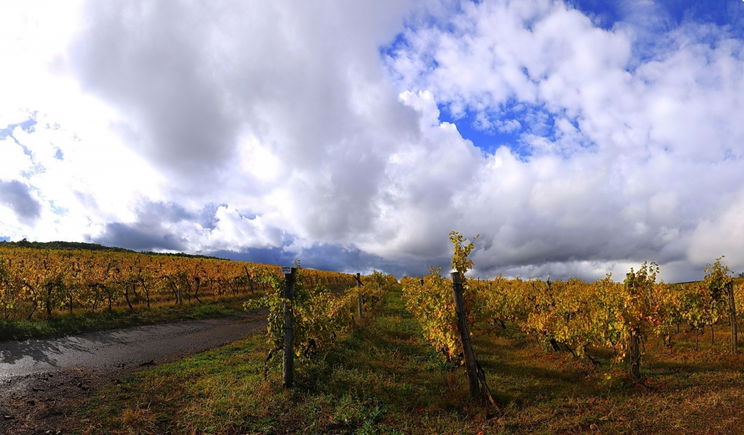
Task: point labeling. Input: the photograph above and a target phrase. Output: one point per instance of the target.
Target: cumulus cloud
(637, 151)
(149, 60)
(199, 83)
(333, 132)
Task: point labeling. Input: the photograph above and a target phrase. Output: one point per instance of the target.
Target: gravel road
(123, 347)
(41, 381)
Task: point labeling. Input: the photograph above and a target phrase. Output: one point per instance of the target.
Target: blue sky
(518, 120)
(719, 12)
(576, 137)
(656, 18)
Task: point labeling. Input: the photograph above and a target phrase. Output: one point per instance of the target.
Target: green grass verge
(382, 378)
(121, 317)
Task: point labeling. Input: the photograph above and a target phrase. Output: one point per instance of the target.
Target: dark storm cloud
(139, 238)
(207, 217)
(329, 257)
(151, 229)
(157, 211)
(544, 243)
(16, 195)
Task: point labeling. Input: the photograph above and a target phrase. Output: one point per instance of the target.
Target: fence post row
(290, 275)
(478, 387)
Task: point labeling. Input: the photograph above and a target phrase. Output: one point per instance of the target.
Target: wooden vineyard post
(360, 300)
(634, 356)
(478, 388)
(290, 275)
(732, 315)
(249, 279)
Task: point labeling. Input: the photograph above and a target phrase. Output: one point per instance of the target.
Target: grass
(382, 378)
(63, 323)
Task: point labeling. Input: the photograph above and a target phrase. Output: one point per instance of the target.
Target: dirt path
(41, 380)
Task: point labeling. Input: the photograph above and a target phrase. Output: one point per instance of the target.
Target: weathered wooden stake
(732, 316)
(288, 366)
(634, 356)
(249, 279)
(478, 386)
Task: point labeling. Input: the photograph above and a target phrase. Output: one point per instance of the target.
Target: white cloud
(652, 147)
(234, 231)
(276, 123)
(722, 234)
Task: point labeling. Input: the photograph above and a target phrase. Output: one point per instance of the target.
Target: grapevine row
(318, 315)
(573, 315)
(43, 282)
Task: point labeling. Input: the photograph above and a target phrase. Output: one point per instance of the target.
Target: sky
(576, 138)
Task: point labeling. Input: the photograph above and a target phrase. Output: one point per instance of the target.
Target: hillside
(83, 246)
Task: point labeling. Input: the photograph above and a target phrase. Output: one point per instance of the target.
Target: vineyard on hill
(372, 354)
(384, 356)
(42, 283)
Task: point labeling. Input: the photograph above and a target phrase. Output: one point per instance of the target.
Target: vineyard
(306, 318)
(384, 356)
(371, 354)
(575, 316)
(42, 283)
